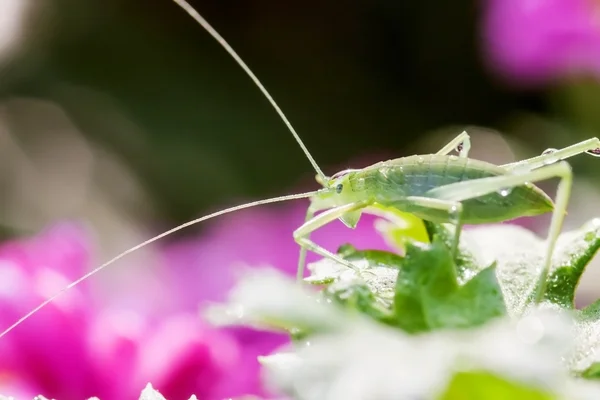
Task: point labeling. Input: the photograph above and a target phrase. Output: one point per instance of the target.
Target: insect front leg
(550, 156)
(461, 143)
(301, 235)
(310, 213)
(480, 187)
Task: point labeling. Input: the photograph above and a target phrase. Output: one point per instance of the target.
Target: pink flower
(535, 41)
(75, 349)
(78, 347)
(207, 265)
(204, 268)
(48, 350)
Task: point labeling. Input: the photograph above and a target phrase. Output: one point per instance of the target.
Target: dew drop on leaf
(505, 192)
(590, 236)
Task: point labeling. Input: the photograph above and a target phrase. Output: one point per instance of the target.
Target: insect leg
(461, 143)
(479, 187)
(303, 250)
(301, 234)
(454, 209)
(550, 156)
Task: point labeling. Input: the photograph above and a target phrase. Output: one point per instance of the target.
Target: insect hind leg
(453, 208)
(461, 143)
(480, 187)
(550, 156)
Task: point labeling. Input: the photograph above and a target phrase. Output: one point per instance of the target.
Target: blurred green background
(142, 81)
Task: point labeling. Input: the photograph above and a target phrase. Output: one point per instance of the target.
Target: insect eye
(339, 188)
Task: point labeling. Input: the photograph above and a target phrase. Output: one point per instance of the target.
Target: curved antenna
(154, 239)
(198, 18)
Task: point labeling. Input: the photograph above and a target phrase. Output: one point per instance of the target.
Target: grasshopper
(440, 187)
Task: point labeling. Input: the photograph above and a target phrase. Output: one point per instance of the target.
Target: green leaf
(427, 271)
(360, 297)
(583, 356)
(342, 345)
(592, 372)
(475, 303)
(467, 264)
(483, 385)
(371, 291)
(519, 255)
(418, 292)
(429, 295)
(574, 252)
(373, 258)
(591, 312)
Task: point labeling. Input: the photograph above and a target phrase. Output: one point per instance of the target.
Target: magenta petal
(53, 353)
(63, 247)
(533, 41)
(33, 269)
(245, 378)
(14, 386)
(114, 342)
(49, 349)
(205, 268)
(185, 357)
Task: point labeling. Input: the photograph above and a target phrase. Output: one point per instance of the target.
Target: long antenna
(194, 14)
(154, 239)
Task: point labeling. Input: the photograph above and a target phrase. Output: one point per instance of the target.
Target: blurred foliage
(354, 78)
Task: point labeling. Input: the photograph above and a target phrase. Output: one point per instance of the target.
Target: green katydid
(436, 187)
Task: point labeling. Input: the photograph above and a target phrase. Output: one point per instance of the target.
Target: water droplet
(454, 216)
(590, 236)
(550, 160)
(505, 192)
(595, 152)
(420, 160)
(295, 331)
(453, 158)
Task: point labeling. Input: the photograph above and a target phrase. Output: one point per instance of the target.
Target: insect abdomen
(395, 180)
